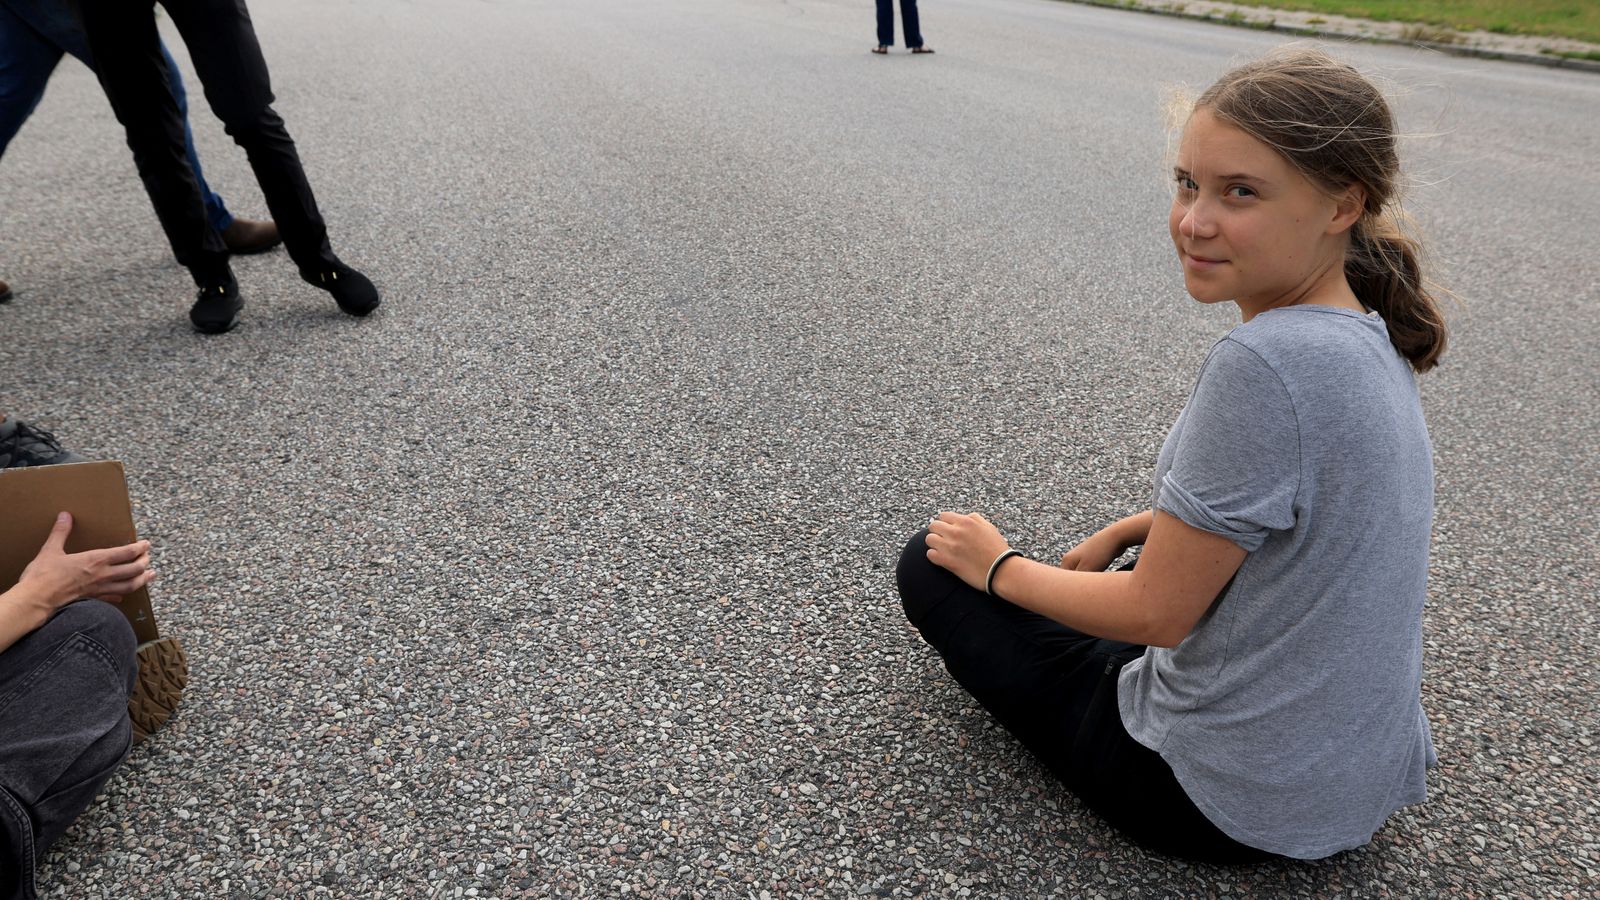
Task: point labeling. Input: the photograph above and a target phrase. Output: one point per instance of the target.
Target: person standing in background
(34, 35)
(227, 56)
(908, 16)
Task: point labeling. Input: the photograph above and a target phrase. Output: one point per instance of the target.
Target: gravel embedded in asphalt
(570, 570)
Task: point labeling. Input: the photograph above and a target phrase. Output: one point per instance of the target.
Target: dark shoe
(921, 49)
(216, 307)
(163, 674)
(352, 290)
(5, 292)
(881, 48)
(22, 444)
(248, 236)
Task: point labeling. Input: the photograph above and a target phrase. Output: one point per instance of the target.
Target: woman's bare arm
(1180, 574)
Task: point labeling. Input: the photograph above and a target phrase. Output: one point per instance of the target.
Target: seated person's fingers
(114, 591)
(122, 554)
(125, 571)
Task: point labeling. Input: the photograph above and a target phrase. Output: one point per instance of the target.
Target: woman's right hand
(56, 577)
(1100, 549)
(1094, 554)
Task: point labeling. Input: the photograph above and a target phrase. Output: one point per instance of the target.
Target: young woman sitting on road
(1251, 689)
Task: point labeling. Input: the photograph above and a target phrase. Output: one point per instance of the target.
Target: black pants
(222, 43)
(1055, 689)
(908, 15)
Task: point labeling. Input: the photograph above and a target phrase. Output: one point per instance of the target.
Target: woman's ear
(1348, 205)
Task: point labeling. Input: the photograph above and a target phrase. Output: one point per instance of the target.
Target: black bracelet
(988, 583)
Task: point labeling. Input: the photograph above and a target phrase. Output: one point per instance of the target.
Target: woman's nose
(1197, 221)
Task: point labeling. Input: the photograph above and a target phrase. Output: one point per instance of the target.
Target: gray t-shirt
(1292, 713)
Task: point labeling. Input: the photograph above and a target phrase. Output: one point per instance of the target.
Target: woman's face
(1247, 225)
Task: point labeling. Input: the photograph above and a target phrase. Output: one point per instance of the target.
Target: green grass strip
(1578, 19)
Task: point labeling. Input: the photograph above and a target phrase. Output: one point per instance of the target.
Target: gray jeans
(63, 729)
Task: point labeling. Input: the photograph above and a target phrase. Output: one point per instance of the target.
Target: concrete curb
(1549, 62)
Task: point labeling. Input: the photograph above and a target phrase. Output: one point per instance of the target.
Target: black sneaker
(352, 290)
(5, 292)
(216, 307)
(22, 444)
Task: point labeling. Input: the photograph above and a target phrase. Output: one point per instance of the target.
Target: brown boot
(163, 674)
(5, 292)
(249, 236)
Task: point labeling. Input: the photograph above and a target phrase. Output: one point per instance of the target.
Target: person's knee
(914, 574)
(106, 626)
(253, 125)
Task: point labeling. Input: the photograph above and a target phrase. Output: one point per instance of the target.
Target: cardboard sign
(96, 494)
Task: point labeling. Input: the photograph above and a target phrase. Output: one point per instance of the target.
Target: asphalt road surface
(570, 570)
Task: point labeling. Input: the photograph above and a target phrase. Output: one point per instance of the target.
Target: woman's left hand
(966, 544)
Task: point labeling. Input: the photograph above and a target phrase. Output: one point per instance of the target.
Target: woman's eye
(1187, 185)
(1240, 190)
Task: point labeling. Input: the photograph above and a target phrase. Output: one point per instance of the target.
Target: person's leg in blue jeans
(909, 18)
(63, 729)
(913, 27)
(27, 58)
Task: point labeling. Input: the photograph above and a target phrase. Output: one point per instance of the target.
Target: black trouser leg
(127, 51)
(222, 44)
(1034, 675)
(1055, 689)
(913, 28)
(886, 23)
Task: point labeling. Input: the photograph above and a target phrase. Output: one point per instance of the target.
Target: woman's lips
(1201, 263)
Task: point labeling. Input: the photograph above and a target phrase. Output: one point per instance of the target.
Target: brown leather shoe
(5, 292)
(249, 236)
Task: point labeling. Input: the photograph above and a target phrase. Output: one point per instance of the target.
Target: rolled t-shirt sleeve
(1236, 465)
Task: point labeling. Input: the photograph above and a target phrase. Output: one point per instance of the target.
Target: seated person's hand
(1095, 554)
(966, 544)
(56, 577)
